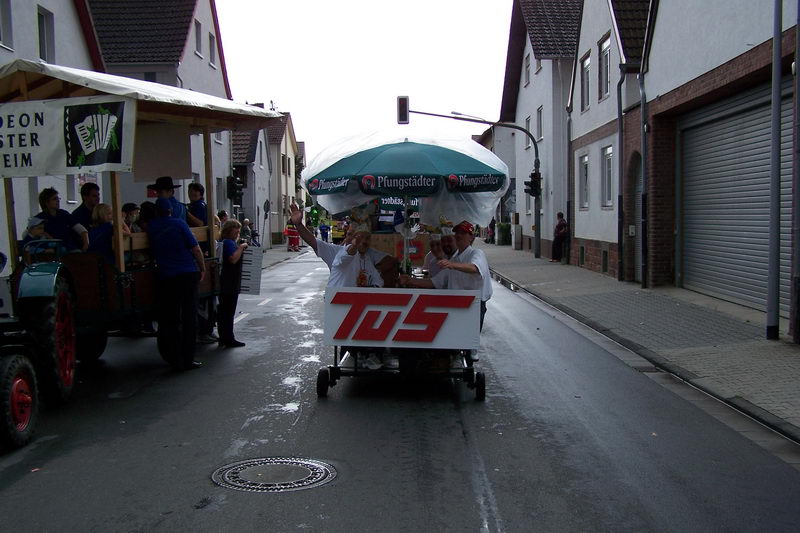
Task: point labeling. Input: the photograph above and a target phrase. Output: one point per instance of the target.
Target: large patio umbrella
(455, 178)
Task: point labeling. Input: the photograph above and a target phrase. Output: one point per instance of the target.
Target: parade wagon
(57, 307)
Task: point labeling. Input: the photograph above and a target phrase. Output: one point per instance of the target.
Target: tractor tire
(90, 346)
(51, 327)
(19, 401)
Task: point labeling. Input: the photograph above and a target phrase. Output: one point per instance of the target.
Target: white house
(253, 164)
(284, 151)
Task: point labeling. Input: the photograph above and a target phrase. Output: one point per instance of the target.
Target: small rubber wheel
(323, 380)
(19, 401)
(480, 386)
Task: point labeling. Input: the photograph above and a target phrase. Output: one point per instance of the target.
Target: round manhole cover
(274, 474)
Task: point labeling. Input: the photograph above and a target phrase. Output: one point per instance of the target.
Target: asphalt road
(570, 438)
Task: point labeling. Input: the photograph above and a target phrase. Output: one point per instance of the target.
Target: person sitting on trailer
(197, 213)
(130, 218)
(468, 269)
(90, 196)
(102, 232)
(60, 224)
(165, 189)
(34, 231)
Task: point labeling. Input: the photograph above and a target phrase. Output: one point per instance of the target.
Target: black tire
(480, 386)
(51, 327)
(19, 401)
(323, 381)
(90, 346)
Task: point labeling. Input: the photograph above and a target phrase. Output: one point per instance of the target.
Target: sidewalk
(717, 346)
(278, 254)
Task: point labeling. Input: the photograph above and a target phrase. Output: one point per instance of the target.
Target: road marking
(265, 301)
(241, 317)
(310, 273)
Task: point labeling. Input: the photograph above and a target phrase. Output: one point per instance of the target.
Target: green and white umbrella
(455, 178)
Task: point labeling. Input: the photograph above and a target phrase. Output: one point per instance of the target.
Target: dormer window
(198, 38)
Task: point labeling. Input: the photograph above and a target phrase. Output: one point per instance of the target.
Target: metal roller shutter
(726, 168)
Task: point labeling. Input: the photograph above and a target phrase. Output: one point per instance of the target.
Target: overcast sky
(339, 66)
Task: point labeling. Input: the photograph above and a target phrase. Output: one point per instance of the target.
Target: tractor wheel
(19, 401)
(51, 327)
(90, 346)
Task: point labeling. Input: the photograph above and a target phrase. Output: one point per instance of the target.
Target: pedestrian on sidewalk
(490, 233)
(560, 233)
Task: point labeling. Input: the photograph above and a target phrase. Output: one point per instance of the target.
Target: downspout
(795, 304)
(620, 159)
(570, 193)
(645, 181)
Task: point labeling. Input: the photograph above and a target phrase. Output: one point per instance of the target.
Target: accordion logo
(93, 133)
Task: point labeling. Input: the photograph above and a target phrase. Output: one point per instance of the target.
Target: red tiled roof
(142, 31)
(552, 26)
(243, 147)
(276, 129)
(631, 19)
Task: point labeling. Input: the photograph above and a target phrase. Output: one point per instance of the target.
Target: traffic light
(534, 186)
(402, 110)
(234, 189)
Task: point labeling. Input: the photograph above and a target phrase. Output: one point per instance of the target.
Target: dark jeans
(225, 313)
(205, 326)
(558, 248)
(177, 318)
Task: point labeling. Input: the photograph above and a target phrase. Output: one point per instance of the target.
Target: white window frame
(46, 35)
(540, 123)
(198, 38)
(527, 69)
(527, 203)
(604, 68)
(538, 65)
(212, 50)
(583, 182)
(6, 28)
(527, 127)
(72, 189)
(586, 66)
(218, 137)
(607, 175)
(261, 154)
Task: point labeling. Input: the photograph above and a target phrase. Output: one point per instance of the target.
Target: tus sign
(402, 318)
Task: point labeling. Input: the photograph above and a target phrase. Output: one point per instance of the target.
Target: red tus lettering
(358, 301)
(433, 321)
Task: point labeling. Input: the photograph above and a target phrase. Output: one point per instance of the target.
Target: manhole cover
(274, 474)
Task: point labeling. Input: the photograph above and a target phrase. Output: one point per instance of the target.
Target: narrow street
(570, 437)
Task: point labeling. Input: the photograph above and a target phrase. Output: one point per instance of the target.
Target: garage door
(726, 175)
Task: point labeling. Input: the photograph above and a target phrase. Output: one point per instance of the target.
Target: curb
(276, 263)
(763, 416)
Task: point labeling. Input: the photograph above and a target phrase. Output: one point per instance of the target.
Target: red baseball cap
(464, 226)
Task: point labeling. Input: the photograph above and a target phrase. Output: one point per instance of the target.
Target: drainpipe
(570, 193)
(645, 181)
(774, 270)
(796, 191)
(620, 159)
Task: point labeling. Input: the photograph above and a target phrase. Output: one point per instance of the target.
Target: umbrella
(456, 178)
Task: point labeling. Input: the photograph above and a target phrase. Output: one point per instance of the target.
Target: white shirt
(346, 268)
(327, 251)
(431, 264)
(451, 278)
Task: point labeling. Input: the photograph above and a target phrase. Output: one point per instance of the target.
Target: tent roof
(23, 80)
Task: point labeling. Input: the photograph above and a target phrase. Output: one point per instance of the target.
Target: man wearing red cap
(467, 269)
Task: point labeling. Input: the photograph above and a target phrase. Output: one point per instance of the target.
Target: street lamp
(455, 115)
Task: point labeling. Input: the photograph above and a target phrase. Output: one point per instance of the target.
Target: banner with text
(67, 136)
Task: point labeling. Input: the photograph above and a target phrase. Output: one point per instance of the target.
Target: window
(585, 63)
(212, 49)
(5, 23)
(198, 39)
(538, 65)
(150, 76)
(528, 127)
(218, 137)
(72, 189)
(261, 154)
(604, 70)
(527, 69)
(583, 191)
(539, 124)
(47, 49)
(607, 166)
(283, 164)
(528, 203)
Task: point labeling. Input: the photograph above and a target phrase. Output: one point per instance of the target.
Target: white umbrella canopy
(455, 178)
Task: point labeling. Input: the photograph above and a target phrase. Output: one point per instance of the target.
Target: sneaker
(373, 362)
(206, 339)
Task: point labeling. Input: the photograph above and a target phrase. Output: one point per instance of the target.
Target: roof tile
(552, 26)
(243, 147)
(631, 17)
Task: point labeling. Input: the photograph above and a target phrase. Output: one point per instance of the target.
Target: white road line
(265, 301)
(241, 317)
(310, 273)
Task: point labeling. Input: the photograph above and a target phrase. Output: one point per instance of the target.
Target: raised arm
(296, 216)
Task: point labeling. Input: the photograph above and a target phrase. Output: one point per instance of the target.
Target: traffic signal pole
(537, 205)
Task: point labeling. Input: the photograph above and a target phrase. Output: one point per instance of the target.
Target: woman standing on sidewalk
(559, 238)
(230, 282)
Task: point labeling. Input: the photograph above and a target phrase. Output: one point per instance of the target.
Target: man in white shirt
(467, 269)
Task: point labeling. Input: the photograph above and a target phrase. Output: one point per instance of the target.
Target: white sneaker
(373, 362)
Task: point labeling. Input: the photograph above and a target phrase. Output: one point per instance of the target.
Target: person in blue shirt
(90, 196)
(60, 224)
(102, 232)
(230, 282)
(165, 189)
(198, 211)
(323, 231)
(180, 267)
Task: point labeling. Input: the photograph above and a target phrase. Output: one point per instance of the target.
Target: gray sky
(339, 66)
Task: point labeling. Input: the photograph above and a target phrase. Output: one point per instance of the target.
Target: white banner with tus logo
(67, 136)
